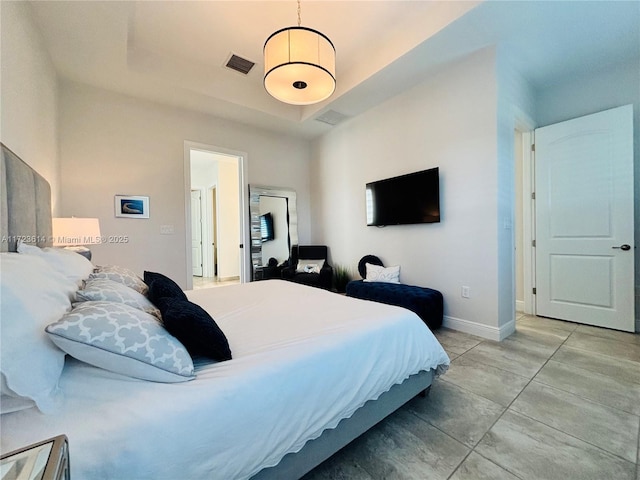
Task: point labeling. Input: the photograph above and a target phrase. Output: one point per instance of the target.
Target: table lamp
(74, 233)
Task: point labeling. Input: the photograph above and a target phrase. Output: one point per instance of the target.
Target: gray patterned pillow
(121, 275)
(99, 289)
(124, 340)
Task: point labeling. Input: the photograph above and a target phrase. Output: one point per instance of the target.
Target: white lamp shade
(299, 66)
(76, 231)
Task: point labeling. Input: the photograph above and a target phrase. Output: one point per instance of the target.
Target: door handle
(624, 247)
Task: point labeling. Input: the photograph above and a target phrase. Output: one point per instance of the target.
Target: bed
(303, 382)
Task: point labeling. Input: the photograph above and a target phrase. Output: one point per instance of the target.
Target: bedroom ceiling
(174, 52)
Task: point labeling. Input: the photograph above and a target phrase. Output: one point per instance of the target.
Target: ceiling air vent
(331, 117)
(239, 64)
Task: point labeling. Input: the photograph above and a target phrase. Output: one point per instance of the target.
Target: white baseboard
(479, 329)
(520, 306)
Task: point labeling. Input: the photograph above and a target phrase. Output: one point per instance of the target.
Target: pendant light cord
(299, 21)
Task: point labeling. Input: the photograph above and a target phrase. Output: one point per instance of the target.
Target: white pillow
(124, 340)
(309, 266)
(376, 273)
(97, 289)
(67, 262)
(33, 295)
(121, 275)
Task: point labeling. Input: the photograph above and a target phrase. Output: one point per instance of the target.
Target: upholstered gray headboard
(25, 204)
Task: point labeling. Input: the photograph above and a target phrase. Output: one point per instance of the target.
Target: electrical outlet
(466, 291)
(166, 230)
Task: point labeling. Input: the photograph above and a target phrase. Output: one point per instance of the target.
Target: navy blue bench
(425, 302)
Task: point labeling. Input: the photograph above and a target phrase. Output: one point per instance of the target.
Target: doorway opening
(524, 228)
(216, 218)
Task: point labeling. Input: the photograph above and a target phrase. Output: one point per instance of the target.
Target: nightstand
(46, 460)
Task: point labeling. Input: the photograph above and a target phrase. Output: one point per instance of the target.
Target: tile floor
(555, 400)
(209, 282)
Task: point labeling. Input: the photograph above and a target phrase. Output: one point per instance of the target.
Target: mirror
(274, 224)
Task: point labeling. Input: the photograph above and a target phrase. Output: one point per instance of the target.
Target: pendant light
(299, 65)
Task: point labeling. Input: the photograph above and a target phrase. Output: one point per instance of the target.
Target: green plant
(341, 276)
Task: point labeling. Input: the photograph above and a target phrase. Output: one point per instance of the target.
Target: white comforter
(303, 359)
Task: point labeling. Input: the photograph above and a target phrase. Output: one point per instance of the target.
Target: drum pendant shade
(299, 66)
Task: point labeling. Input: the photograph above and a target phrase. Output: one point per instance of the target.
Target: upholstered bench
(425, 302)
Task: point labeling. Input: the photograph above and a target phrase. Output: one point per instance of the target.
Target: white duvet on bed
(303, 359)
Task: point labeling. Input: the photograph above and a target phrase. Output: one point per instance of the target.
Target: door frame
(243, 189)
(525, 126)
(528, 221)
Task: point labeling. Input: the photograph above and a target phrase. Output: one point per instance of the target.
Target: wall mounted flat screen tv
(266, 227)
(407, 199)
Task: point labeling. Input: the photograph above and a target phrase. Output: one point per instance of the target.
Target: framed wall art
(132, 206)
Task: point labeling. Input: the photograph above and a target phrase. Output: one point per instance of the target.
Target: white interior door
(196, 232)
(584, 220)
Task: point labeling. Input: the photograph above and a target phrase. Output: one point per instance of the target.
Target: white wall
(515, 111)
(111, 144)
(450, 121)
(29, 95)
(582, 96)
(204, 169)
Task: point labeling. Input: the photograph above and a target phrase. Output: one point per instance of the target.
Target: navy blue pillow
(195, 328)
(161, 286)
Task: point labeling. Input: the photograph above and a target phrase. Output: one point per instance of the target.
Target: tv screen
(266, 227)
(403, 200)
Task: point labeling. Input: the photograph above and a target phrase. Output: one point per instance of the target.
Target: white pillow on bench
(376, 273)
